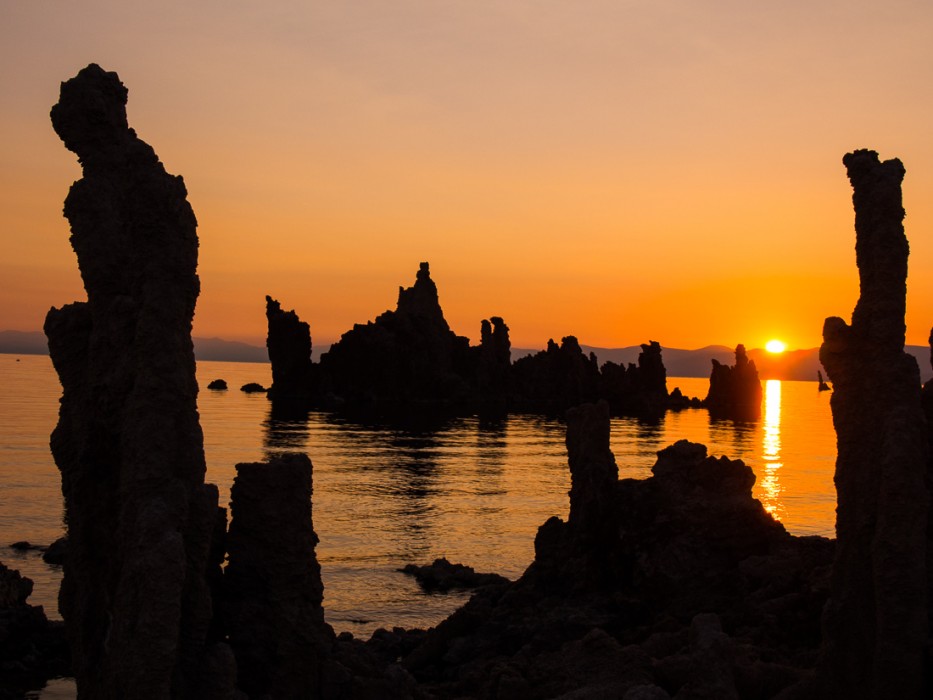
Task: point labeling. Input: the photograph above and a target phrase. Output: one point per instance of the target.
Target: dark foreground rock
(253, 388)
(135, 598)
(272, 582)
(677, 585)
(217, 385)
(443, 576)
(877, 622)
(32, 649)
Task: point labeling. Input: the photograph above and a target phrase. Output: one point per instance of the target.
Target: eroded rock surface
(638, 389)
(735, 392)
(680, 585)
(876, 622)
(404, 357)
(273, 588)
(557, 378)
(128, 442)
(289, 345)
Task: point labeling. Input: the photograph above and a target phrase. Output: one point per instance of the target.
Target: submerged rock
(876, 622)
(443, 576)
(128, 442)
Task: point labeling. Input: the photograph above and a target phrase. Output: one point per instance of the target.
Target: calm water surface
(473, 492)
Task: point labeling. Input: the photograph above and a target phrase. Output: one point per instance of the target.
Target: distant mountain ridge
(211, 349)
(793, 364)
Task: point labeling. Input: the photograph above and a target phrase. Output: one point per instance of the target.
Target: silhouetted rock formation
(734, 392)
(32, 649)
(409, 363)
(443, 576)
(876, 622)
(593, 471)
(494, 361)
(641, 389)
(253, 388)
(272, 582)
(680, 584)
(289, 344)
(405, 356)
(217, 385)
(557, 378)
(128, 442)
(560, 377)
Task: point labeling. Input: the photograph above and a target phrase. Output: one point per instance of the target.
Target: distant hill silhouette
(211, 349)
(793, 364)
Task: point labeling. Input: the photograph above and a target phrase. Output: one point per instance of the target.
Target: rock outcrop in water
(676, 585)
(493, 359)
(403, 358)
(876, 623)
(639, 389)
(289, 345)
(272, 582)
(735, 392)
(128, 443)
(557, 378)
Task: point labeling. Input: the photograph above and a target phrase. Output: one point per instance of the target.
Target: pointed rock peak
(421, 299)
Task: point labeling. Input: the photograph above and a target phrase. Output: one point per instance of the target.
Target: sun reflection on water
(771, 489)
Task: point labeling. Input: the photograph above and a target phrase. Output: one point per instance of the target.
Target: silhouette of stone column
(273, 585)
(289, 345)
(593, 470)
(875, 623)
(128, 442)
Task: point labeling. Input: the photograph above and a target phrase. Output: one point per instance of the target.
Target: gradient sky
(621, 171)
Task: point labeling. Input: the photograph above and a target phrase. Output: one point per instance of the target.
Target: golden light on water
(771, 452)
(777, 347)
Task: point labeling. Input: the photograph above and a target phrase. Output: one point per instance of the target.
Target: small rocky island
(408, 362)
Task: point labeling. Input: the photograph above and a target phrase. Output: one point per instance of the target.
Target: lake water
(473, 492)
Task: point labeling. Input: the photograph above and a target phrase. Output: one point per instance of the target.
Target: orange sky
(617, 170)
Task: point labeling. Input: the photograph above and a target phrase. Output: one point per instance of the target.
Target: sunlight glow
(776, 346)
(771, 482)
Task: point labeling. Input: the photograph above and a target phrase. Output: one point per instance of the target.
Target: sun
(776, 346)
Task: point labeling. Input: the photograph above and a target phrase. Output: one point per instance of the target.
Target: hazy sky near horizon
(620, 171)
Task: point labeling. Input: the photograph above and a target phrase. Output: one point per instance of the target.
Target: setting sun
(776, 346)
